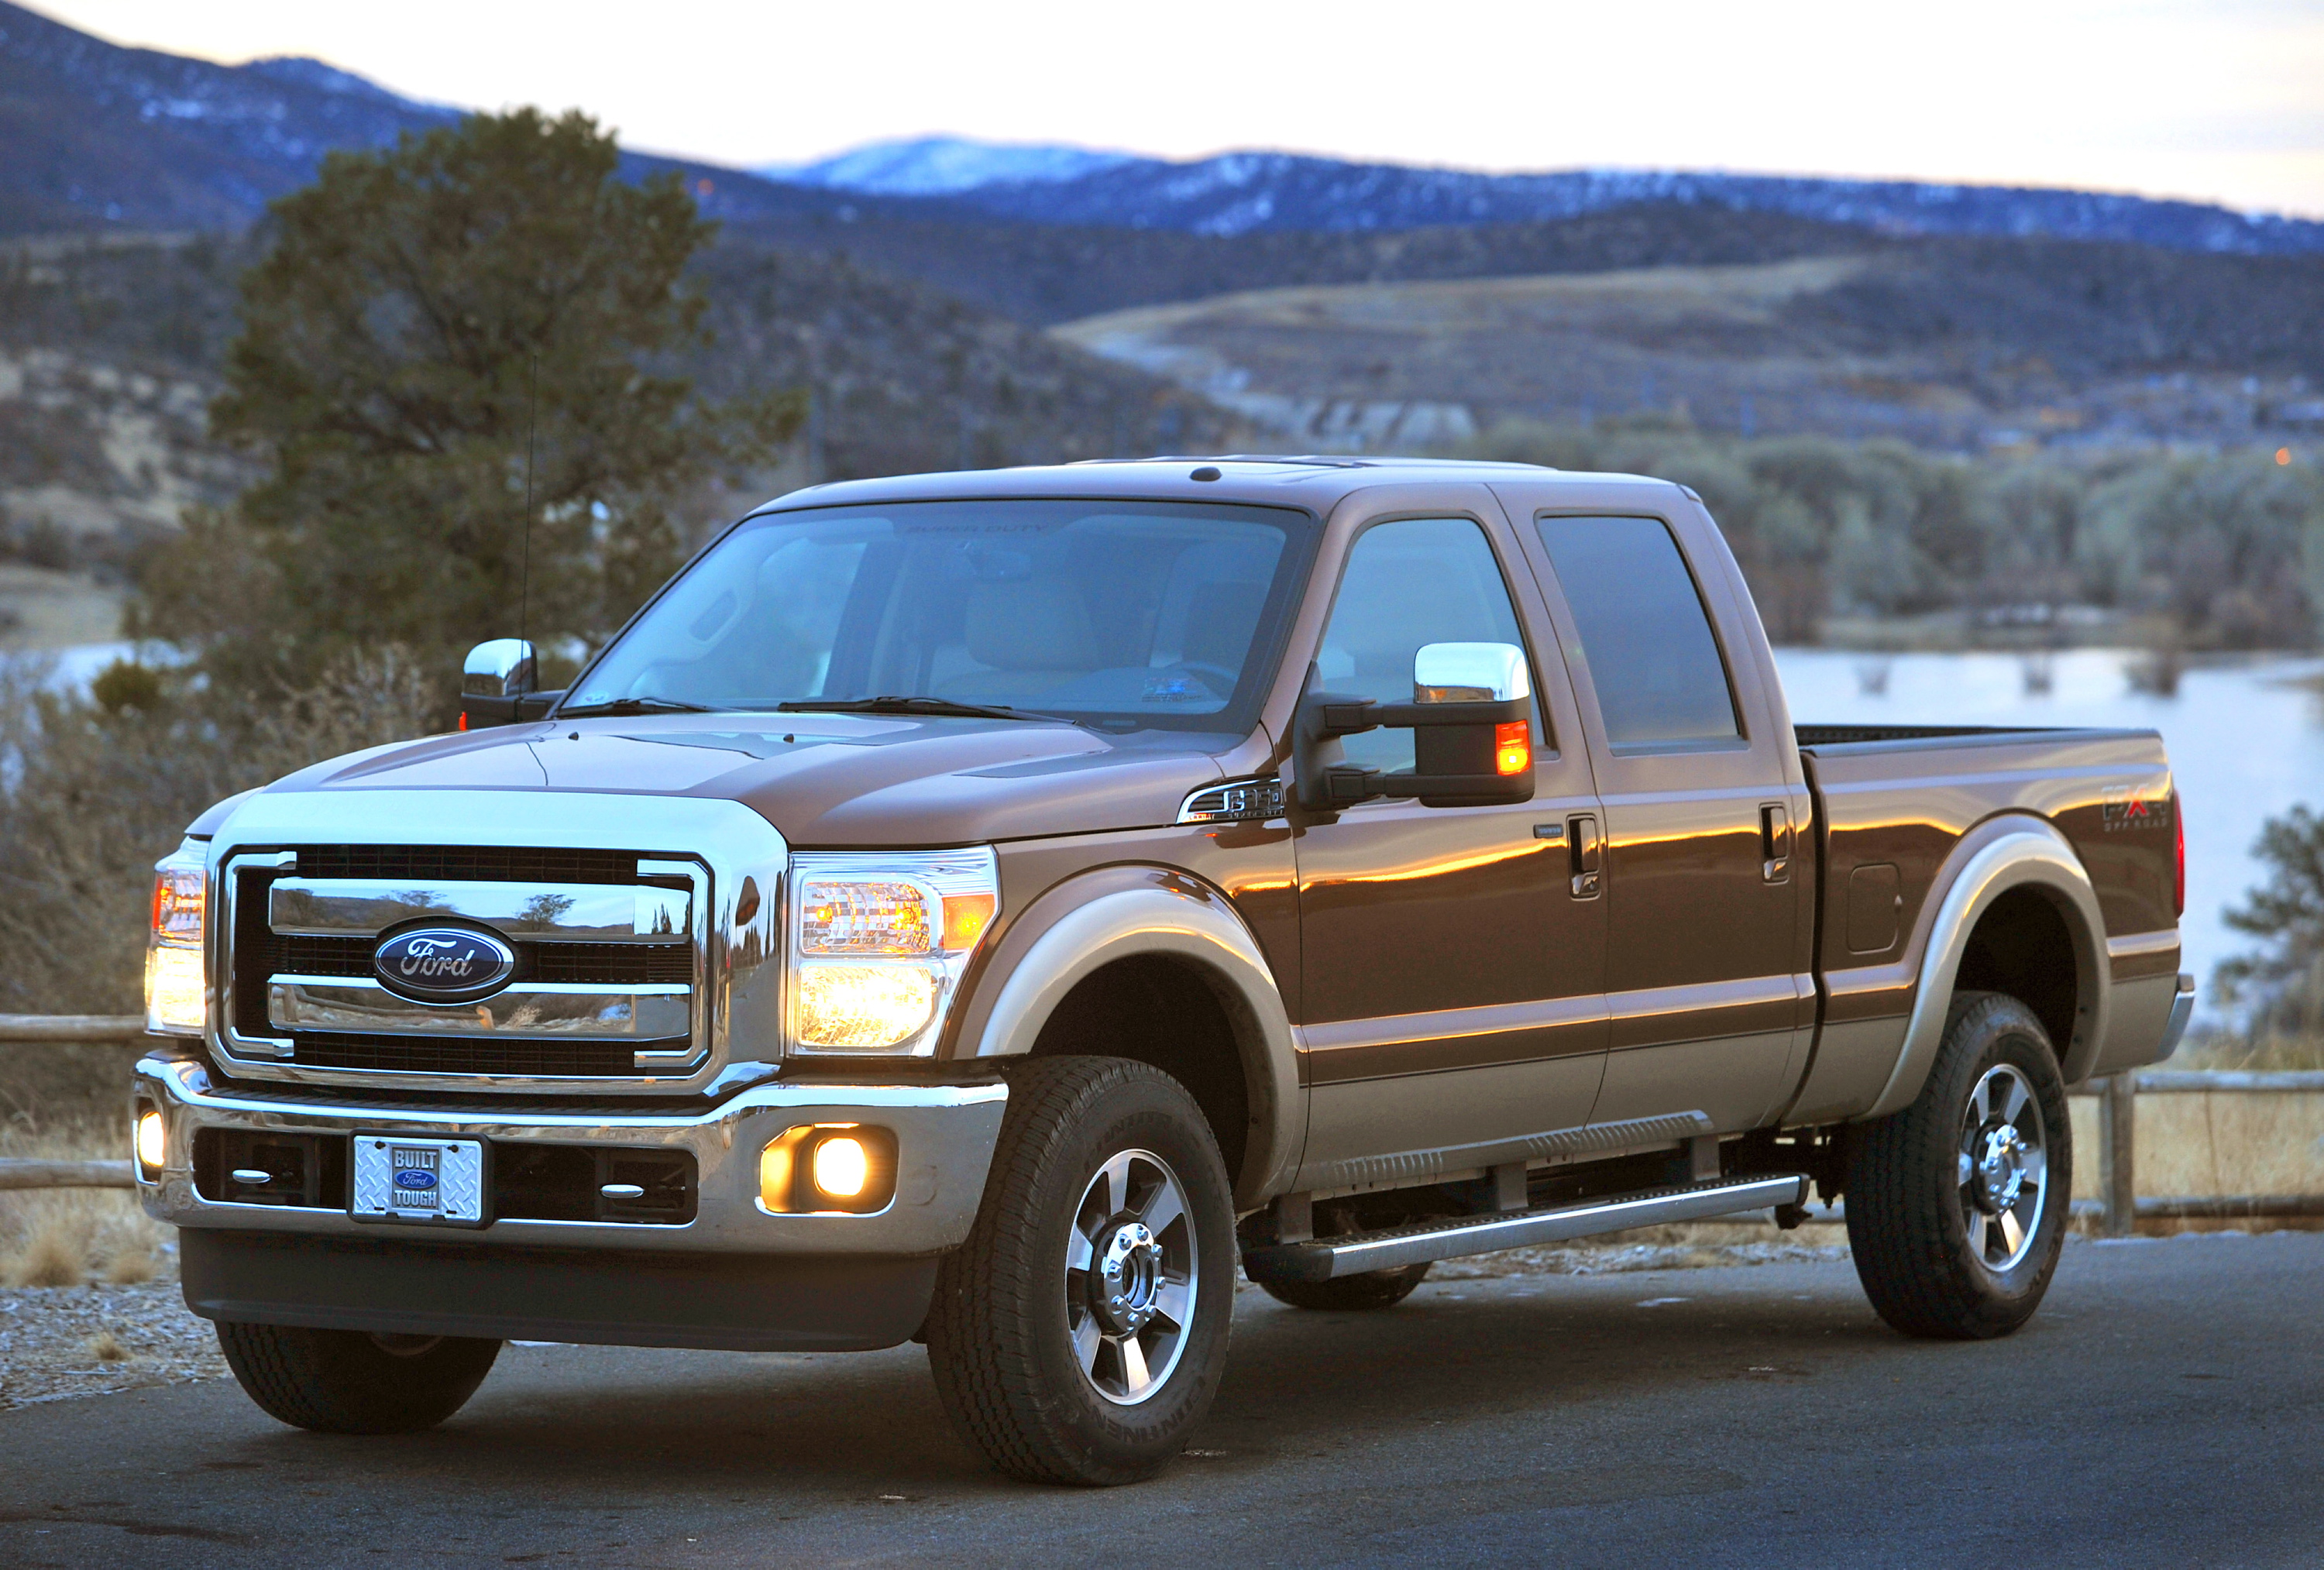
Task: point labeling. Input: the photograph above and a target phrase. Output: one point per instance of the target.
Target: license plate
(418, 1179)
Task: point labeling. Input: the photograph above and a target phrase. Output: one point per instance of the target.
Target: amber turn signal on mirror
(1512, 748)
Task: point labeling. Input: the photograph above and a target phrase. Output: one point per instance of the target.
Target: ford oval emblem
(415, 1178)
(443, 964)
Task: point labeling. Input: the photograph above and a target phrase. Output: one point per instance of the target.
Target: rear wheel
(351, 1382)
(1372, 1289)
(1078, 1335)
(1957, 1205)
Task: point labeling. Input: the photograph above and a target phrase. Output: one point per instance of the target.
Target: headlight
(878, 943)
(177, 992)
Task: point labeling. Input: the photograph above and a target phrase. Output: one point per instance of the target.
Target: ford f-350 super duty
(993, 908)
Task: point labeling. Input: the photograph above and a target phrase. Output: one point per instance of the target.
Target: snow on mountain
(929, 166)
(1238, 193)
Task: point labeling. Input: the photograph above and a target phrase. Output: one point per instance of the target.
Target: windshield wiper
(635, 706)
(944, 708)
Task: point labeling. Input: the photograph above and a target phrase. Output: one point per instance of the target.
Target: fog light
(152, 1142)
(841, 1166)
(845, 1168)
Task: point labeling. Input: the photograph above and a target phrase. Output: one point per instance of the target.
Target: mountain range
(1238, 193)
(93, 135)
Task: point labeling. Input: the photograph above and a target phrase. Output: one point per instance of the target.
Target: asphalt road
(2162, 1410)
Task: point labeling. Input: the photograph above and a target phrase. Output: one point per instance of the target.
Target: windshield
(1123, 613)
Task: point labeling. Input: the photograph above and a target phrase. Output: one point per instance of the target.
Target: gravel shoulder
(59, 1342)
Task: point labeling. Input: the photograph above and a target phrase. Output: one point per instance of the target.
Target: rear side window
(1645, 633)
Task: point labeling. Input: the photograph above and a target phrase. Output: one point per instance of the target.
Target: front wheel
(1957, 1205)
(349, 1381)
(1078, 1334)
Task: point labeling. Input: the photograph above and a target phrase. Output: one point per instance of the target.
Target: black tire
(1002, 1332)
(347, 1381)
(1372, 1289)
(1937, 1256)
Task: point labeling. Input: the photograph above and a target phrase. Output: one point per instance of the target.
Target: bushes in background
(2221, 551)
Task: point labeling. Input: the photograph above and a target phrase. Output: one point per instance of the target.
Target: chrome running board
(1326, 1258)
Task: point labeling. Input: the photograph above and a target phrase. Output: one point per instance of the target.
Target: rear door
(1452, 994)
(1709, 909)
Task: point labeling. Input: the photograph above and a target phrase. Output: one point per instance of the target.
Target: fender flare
(2028, 852)
(1118, 913)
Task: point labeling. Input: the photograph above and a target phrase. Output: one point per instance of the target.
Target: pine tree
(434, 331)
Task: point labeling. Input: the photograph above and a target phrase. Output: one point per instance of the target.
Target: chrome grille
(609, 952)
(468, 863)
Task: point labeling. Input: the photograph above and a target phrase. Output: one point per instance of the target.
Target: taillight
(2178, 858)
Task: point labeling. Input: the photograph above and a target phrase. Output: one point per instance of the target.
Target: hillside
(110, 348)
(1945, 344)
(94, 136)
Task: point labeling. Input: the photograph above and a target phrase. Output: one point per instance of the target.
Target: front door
(1451, 958)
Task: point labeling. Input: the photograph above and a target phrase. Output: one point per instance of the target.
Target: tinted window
(1645, 635)
(1124, 613)
(1424, 580)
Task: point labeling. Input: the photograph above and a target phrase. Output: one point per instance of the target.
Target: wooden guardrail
(33, 1172)
(2117, 1096)
(68, 1030)
(2117, 1127)
(71, 1029)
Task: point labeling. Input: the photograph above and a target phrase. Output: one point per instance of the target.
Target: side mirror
(499, 683)
(1472, 717)
(505, 667)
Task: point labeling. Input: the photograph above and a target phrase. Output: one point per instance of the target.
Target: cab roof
(1313, 481)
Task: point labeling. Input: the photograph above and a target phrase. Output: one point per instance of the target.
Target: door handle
(1584, 855)
(1775, 842)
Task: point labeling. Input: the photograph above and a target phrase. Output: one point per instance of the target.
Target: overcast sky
(2221, 100)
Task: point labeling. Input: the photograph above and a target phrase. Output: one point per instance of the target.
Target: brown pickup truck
(992, 908)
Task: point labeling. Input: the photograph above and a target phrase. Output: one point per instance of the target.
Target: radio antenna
(531, 424)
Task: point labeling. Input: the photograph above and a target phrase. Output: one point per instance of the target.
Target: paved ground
(2166, 1408)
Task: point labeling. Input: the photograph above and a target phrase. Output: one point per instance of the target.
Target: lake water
(2246, 741)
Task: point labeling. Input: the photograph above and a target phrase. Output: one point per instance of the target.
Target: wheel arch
(1091, 946)
(2017, 876)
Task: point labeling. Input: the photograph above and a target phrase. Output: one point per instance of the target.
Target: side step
(1356, 1252)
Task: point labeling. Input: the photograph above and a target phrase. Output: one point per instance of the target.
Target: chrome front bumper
(944, 1137)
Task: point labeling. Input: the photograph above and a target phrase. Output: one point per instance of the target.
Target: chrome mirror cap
(502, 668)
(1470, 673)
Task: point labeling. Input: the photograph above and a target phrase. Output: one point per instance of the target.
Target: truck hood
(822, 780)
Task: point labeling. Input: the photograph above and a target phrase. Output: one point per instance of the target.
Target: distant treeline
(2222, 551)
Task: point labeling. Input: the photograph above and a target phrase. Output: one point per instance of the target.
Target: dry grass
(2271, 1052)
(66, 1237)
(106, 1347)
(2227, 1143)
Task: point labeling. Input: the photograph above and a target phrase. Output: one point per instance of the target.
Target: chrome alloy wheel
(1131, 1275)
(2003, 1166)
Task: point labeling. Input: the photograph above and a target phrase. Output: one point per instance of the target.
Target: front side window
(1415, 582)
(1645, 633)
(1124, 614)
